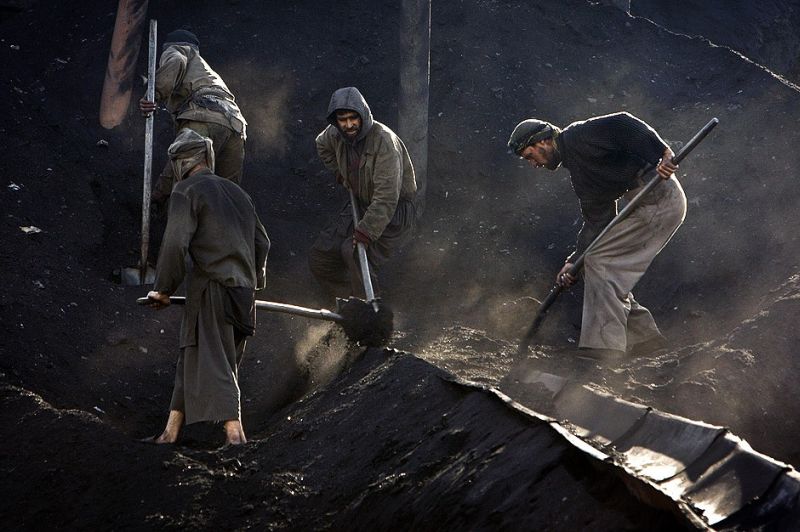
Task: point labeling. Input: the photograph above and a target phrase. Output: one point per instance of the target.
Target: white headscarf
(188, 150)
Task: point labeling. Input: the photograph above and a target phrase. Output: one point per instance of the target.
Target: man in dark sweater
(215, 241)
(606, 157)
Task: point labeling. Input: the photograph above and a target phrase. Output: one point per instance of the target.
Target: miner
(369, 159)
(215, 241)
(198, 99)
(606, 157)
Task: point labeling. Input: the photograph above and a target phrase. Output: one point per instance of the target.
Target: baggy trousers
(228, 154)
(612, 319)
(333, 258)
(207, 374)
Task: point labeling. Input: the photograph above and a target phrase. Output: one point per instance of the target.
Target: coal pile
(347, 437)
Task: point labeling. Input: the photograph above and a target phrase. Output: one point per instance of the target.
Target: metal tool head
(362, 324)
(134, 276)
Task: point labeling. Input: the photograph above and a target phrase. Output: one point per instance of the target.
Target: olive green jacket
(212, 226)
(385, 172)
(192, 90)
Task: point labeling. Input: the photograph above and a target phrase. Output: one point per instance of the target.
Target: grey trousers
(612, 318)
(207, 373)
(334, 261)
(228, 154)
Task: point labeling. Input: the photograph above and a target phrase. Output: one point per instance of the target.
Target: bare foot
(234, 433)
(173, 428)
(166, 437)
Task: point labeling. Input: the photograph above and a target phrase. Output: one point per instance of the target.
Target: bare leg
(174, 424)
(234, 433)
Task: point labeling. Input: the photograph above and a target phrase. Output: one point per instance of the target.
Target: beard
(350, 137)
(553, 158)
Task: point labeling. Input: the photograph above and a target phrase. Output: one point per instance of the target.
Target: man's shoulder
(601, 120)
(175, 52)
(207, 186)
(603, 126)
(381, 134)
(198, 177)
(379, 128)
(330, 133)
(200, 182)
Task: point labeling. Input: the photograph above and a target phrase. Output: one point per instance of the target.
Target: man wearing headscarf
(212, 226)
(370, 159)
(198, 99)
(607, 157)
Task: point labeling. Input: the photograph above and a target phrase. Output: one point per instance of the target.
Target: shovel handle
(148, 150)
(537, 321)
(270, 306)
(369, 292)
(694, 141)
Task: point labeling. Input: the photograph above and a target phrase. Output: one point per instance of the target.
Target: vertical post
(122, 56)
(415, 48)
(150, 95)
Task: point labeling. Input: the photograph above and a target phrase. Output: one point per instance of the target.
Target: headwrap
(530, 132)
(188, 150)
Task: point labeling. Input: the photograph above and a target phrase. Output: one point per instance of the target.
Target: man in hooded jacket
(198, 99)
(212, 227)
(370, 159)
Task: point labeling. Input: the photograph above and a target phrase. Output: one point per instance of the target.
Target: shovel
(578, 264)
(144, 273)
(359, 322)
(362, 259)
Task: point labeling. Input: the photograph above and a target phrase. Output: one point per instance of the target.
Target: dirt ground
(391, 443)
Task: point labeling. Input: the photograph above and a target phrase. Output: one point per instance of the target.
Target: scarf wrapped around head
(188, 150)
(529, 132)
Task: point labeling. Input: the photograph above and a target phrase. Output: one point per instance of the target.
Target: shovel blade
(133, 276)
(362, 324)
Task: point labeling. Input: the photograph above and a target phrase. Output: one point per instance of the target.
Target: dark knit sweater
(605, 156)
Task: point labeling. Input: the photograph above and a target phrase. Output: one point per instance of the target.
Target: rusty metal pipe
(122, 56)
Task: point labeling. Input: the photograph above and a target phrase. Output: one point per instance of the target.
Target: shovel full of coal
(361, 323)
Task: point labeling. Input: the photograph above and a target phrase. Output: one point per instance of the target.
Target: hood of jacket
(351, 99)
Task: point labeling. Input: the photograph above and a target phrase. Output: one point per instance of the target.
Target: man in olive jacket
(370, 159)
(215, 241)
(198, 99)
